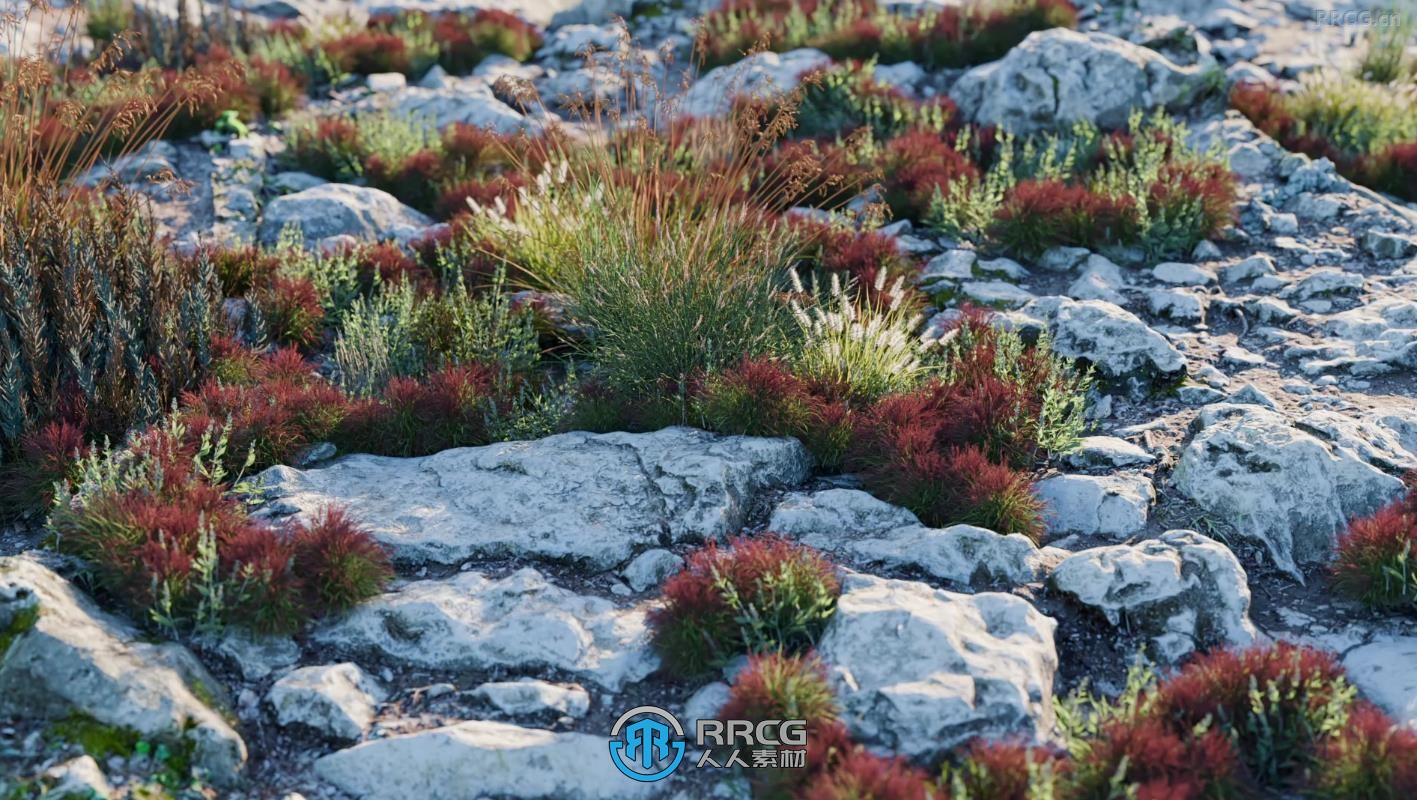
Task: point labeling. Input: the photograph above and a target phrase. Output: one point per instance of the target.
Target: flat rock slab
(522, 622)
(921, 670)
(481, 759)
(854, 525)
(585, 498)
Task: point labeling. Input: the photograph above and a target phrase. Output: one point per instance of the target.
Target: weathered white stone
(1107, 451)
(1385, 671)
(1183, 589)
(66, 657)
(1119, 344)
(1182, 274)
(481, 759)
(467, 100)
(1277, 484)
(921, 670)
(575, 496)
(862, 529)
(336, 700)
(77, 779)
(705, 703)
(1057, 77)
(522, 622)
(334, 209)
(650, 568)
(532, 697)
(1110, 505)
(759, 75)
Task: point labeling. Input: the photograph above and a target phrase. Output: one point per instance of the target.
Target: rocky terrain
(1253, 396)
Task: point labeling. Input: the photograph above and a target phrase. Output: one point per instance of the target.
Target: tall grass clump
(663, 241)
(102, 329)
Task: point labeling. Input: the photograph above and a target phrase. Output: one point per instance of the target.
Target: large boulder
(595, 499)
(859, 528)
(1184, 590)
(1277, 484)
(1122, 348)
(763, 74)
(481, 759)
(61, 658)
(339, 209)
(920, 670)
(520, 623)
(1057, 77)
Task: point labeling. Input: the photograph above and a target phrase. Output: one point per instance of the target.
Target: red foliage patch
(1393, 170)
(486, 192)
(1005, 770)
(340, 562)
(1376, 559)
(1157, 763)
(700, 626)
(47, 457)
(1371, 758)
(859, 774)
(369, 52)
(293, 312)
(917, 164)
(1037, 215)
(283, 409)
(415, 418)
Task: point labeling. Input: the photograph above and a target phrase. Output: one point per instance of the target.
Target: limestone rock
(921, 670)
(579, 497)
(334, 209)
(860, 528)
(1057, 77)
(522, 622)
(65, 657)
(1109, 505)
(337, 700)
(1277, 484)
(1183, 589)
(481, 759)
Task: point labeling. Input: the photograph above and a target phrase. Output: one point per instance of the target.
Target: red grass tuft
(486, 192)
(859, 775)
(917, 164)
(265, 587)
(1152, 762)
(1037, 215)
(1393, 170)
(1376, 562)
(1007, 770)
(1302, 695)
(781, 596)
(293, 312)
(340, 563)
(416, 418)
(47, 457)
(1371, 758)
(370, 51)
